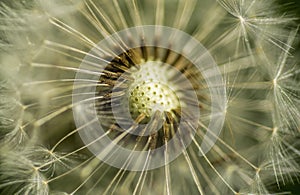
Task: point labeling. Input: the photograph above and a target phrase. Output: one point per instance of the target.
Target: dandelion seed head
(143, 111)
(152, 98)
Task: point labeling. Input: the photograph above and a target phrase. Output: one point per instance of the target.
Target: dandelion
(148, 97)
(28, 180)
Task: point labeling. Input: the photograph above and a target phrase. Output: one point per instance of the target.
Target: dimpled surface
(151, 90)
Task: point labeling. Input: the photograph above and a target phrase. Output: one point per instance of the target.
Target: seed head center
(151, 91)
